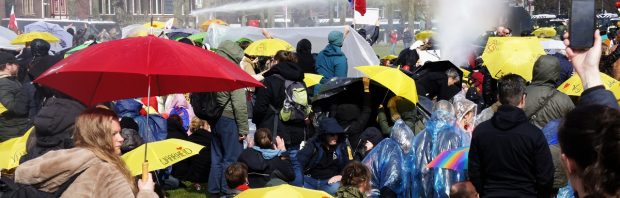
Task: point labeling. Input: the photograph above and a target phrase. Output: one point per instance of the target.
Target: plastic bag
(566, 192)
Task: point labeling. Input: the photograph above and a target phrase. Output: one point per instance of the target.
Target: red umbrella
(129, 68)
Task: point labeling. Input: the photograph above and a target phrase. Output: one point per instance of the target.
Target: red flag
(360, 6)
(12, 21)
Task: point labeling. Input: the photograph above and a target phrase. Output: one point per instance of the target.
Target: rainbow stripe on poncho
(455, 159)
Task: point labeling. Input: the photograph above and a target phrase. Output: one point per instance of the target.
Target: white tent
(357, 50)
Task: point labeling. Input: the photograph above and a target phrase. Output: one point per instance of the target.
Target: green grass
(189, 192)
(383, 49)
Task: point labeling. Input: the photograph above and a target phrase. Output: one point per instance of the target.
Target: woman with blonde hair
(96, 157)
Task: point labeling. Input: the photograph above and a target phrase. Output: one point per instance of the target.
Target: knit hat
(330, 126)
(335, 38)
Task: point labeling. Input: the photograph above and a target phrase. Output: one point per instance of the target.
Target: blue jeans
(225, 149)
(297, 167)
(318, 184)
(393, 49)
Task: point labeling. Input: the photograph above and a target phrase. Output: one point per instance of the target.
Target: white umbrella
(6, 35)
(66, 39)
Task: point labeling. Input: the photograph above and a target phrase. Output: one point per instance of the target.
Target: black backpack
(10, 189)
(206, 107)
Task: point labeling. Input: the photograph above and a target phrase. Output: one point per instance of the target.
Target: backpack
(295, 107)
(10, 189)
(206, 107)
(183, 113)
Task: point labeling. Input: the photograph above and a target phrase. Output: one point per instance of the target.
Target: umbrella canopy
(139, 30)
(455, 159)
(156, 24)
(129, 68)
(517, 55)
(198, 37)
(6, 36)
(573, 86)
(312, 79)
(389, 57)
(28, 37)
(79, 47)
(424, 35)
(66, 39)
(205, 25)
(268, 47)
(438, 66)
(12, 150)
(393, 79)
(544, 32)
(283, 190)
(552, 46)
(161, 154)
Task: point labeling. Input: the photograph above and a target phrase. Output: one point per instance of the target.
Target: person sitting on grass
(236, 178)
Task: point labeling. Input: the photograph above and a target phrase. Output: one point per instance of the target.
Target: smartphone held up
(582, 24)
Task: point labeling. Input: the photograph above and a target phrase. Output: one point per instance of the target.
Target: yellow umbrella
(161, 154)
(24, 38)
(267, 47)
(546, 31)
(156, 24)
(424, 35)
(205, 25)
(283, 190)
(393, 79)
(12, 150)
(2, 108)
(505, 55)
(573, 86)
(312, 79)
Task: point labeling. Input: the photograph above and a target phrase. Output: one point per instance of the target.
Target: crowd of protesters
(525, 139)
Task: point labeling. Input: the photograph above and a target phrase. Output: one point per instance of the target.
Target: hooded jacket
(331, 62)
(315, 151)
(53, 127)
(273, 94)
(542, 93)
(349, 192)
(261, 170)
(236, 109)
(99, 179)
(305, 59)
(509, 157)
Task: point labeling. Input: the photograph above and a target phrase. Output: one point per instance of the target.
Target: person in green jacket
(355, 181)
(232, 127)
(399, 108)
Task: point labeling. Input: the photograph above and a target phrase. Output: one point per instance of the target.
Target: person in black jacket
(324, 157)
(354, 120)
(53, 127)
(305, 58)
(509, 157)
(268, 163)
(269, 101)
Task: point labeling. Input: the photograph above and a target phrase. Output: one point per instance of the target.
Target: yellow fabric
(160, 154)
(12, 150)
(156, 24)
(268, 47)
(312, 79)
(424, 35)
(389, 57)
(283, 190)
(3, 109)
(547, 31)
(393, 79)
(205, 25)
(573, 86)
(24, 38)
(517, 55)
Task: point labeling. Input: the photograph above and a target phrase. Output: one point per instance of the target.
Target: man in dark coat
(544, 102)
(324, 157)
(14, 119)
(509, 157)
(438, 84)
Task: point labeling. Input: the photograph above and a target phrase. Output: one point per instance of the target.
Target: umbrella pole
(145, 165)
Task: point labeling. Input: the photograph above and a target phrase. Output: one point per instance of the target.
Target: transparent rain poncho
(441, 134)
(461, 107)
(391, 163)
